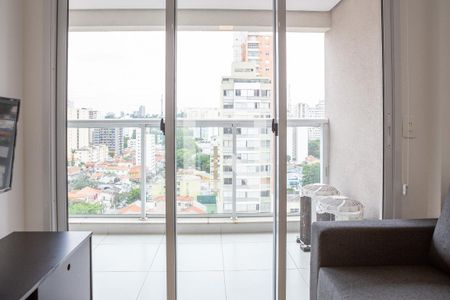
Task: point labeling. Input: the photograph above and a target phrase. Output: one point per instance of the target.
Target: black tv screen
(9, 113)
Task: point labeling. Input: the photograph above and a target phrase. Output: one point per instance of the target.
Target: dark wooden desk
(46, 266)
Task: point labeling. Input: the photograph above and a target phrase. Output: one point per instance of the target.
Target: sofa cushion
(440, 244)
(384, 282)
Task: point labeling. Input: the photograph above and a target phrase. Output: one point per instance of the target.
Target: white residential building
(149, 148)
(246, 96)
(78, 138)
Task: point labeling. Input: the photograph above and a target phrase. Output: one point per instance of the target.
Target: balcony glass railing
(116, 167)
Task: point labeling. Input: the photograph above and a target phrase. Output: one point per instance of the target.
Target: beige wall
(354, 101)
(37, 94)
(11, 85)
(443, 64)
(424, 96)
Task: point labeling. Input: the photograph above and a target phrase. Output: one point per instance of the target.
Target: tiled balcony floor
(210, 266)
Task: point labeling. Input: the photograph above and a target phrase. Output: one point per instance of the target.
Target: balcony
(235, 198)
(210, 266)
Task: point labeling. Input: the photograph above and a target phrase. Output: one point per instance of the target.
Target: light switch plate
(409, 127)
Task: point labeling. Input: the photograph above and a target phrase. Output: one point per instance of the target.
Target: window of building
(227, 168)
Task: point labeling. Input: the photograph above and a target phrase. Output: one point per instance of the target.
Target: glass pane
(306, 95)
(224, 150)
(115, 150)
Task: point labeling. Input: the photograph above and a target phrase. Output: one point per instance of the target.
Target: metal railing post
(143, 171)
(234, 163)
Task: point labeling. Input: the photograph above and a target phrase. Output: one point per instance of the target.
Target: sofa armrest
(369, 243)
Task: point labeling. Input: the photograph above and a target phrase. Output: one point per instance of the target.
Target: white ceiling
(302, 5)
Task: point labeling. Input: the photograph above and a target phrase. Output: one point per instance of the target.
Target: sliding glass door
(172, 114)
(224, 148)
(115, 148)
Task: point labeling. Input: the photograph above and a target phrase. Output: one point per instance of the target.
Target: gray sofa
(389, 259)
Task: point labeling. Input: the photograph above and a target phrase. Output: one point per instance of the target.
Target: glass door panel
(224, 151)
(306, 124)
(115, 149)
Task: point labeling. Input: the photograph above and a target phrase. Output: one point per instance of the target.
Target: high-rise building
(256, 48)
(140, 113)
(247, 94)
(79, 138)
(150, 140)
(111, 137)
(315, 112)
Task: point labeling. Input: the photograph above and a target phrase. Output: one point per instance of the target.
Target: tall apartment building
(298, 138)
(79, 138)
(246, 95)
(315, 112)
(256, 48)
(150, 144)
(111, 137)
(297, 141)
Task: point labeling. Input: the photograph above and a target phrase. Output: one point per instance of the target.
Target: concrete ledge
(184, 225)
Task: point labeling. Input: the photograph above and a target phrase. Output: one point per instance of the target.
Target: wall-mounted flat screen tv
(9, 113)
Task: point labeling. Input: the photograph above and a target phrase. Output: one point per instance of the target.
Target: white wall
(424, 96)
(354, 101)
(11, 85)
(443, 64)
(37, 113)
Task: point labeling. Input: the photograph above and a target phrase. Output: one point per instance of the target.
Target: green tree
(185, 140)
(202, 162)
(83, 181)
(314, 148)
(186, 148)
(133, 195)
(185, 158)
(127, 197)
(311, 173)
(85, 208)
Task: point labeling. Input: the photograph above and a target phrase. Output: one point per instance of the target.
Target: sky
(120, 71)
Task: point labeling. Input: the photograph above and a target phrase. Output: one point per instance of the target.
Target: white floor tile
(117, 285)
(191, 285)
(192, 257)
(296, 287)
(199, 257)
(247, 237)
(131, 258)
(249, 285)
(305, 273)
(154, 287)
(159, 264)
(199, 239)
(248, 256)
(300, 258)
(292, 237)
(97, 238)
(128, 239)
(201, 285)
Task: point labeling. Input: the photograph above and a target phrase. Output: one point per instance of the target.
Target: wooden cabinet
(46, 266)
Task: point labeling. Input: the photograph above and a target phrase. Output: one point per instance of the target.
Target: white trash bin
(339, 208)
